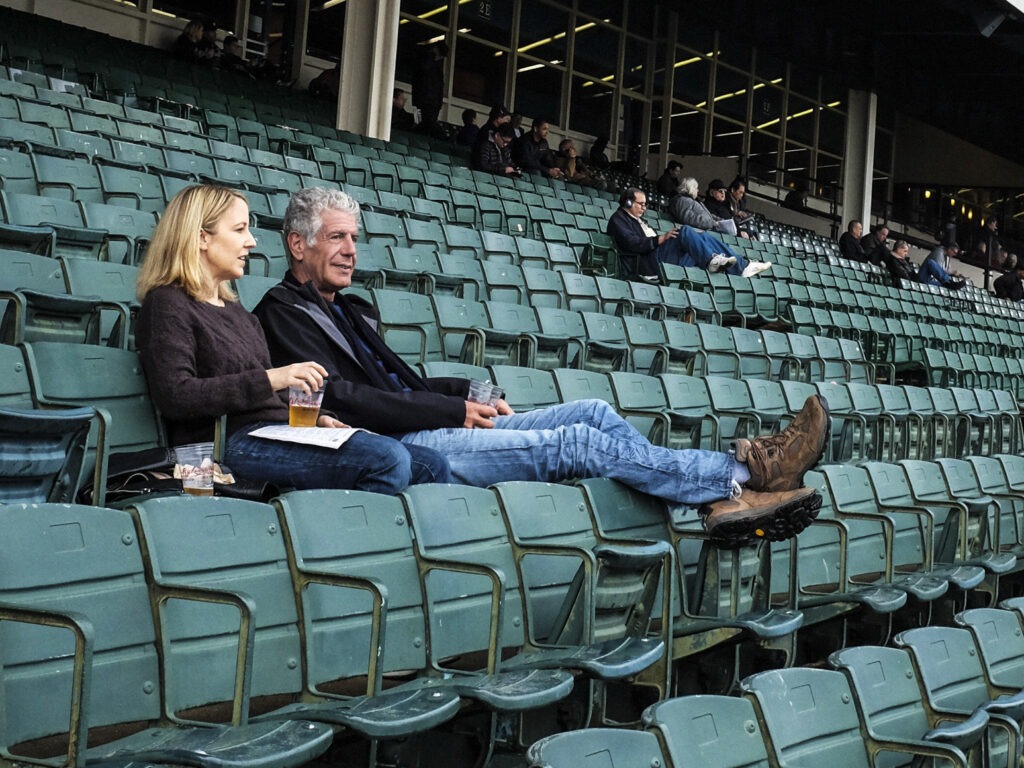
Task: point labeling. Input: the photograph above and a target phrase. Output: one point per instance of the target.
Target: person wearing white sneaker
(755, 268)
(641, 249)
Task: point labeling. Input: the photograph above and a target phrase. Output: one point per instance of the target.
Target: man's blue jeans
(367, 462)
(585, 438)
(692, 248)
(932, 273)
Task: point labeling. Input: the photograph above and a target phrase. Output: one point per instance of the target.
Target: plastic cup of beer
(480, 391)
(303, 407)
(195, 465)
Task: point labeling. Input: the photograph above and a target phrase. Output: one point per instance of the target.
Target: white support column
(859, 153)
(368, 67)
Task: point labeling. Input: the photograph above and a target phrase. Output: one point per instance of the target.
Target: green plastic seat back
(43, 452)
(811, 717)
(85, 560)
(950, 668)
(710, 731)
(997, 633)
(353, 533)
(234, 546)
(464, 524)
(597, 748)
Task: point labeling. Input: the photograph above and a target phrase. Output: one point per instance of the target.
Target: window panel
(726, 138)
(605, 10)
(731, 93)
(764, 156)
(538, 92)
(432, 10)
(831, 130)
(687, 132)
(692, 75)
(222, 12)
(543, 31)
(490, 20)
(767, 110)
(325, 31)
(597, 50)
(412, 36)
(591, 106)
(800, 120)
(634, 74)
(478, 73)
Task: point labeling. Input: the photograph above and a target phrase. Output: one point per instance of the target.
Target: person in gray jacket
(685, 208)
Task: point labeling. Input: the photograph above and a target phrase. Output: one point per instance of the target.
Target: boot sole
(781, 523)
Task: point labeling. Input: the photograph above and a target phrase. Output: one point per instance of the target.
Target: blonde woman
(204, 356)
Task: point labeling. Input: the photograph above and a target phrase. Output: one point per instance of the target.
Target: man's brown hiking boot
(773, 516)
(778, 462)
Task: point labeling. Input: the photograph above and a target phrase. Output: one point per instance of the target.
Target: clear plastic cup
(195, 465)
(303, 407)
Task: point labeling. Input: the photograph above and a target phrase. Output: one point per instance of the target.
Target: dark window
(220, 11)
(325, 31)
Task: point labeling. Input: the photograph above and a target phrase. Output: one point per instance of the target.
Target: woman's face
(226, 248)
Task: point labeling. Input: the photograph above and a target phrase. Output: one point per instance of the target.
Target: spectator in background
(573, 168)
(641, 249)
(207, 47)
(497, 117)
(1010, 286)
(495, 156)
(428, 86)
(187, 45)
(517, 124)
(326, 85)
(401, 119)
(686, 209)
(932, 272)
(873, 244)
(468, 132)
(899, 266)
(532, 153)
(714, 200)
(598, 156)
(668, 182)
(737, 199)
(231, 59)
(849, 242)
(796, 199)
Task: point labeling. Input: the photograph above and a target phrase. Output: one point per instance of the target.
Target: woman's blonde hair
(173, 256)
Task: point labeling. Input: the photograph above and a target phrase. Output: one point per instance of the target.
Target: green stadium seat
(596, 748)
(332, 546)
(890, 697)
(86, 602)
(42, 454)
(712, 731)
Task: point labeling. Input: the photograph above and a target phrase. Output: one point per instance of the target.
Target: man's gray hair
(305, 211)
(690, 186)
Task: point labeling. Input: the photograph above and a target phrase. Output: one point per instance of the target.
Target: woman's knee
(387, 466)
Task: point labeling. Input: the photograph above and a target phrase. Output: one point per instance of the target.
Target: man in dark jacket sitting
(755, 493)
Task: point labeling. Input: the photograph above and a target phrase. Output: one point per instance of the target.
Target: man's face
(858, 229)
(739, 192)
(331, 259)
(676, 172)
(718, 194)
(235, 48)
(639, 205)
(883, 233)
(400, 100)
(540, 131)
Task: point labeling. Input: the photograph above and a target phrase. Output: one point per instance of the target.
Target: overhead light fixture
(927, 194)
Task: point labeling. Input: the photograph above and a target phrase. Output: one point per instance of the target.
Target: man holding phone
(642, 249)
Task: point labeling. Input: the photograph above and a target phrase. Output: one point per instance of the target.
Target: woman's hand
(309, 376)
